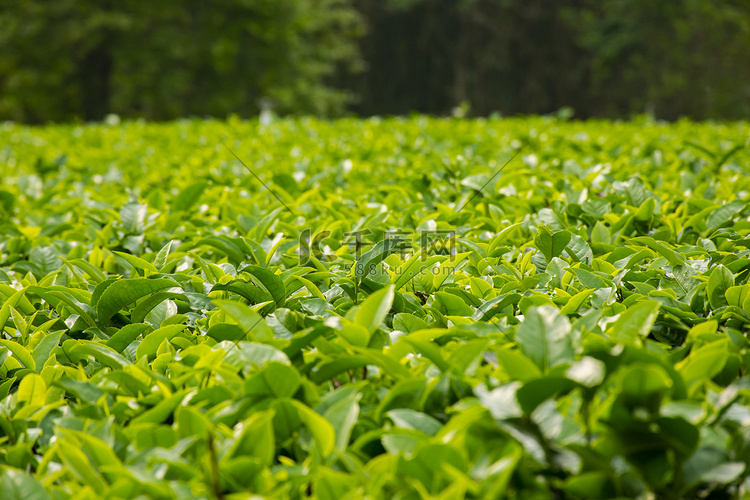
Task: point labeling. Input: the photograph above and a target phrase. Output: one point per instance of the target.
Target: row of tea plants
(388, 308)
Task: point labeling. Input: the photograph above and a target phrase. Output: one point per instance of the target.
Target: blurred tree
(85, 58)
(72, 59)
(611, 58)
(686, 57)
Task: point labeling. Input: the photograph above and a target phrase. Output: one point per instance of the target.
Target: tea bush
(401, 308)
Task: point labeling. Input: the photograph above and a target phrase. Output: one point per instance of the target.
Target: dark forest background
(67, 60)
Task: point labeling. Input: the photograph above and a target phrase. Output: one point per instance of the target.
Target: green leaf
(328, 370)
(390, 367)
(492, 307)
(84, 391)
(501, 401)
(430, 351)
(76, 462)
(406, 418)
(545, 337)
(148, 304)
(261, 229)
(575, 302)
(161, 258)
(412, 267)
(593, 484)
(448, 267)
(20, 353)
(452, 304)
(314, 290)
(254, 354)
(645, 385)
(46, 260)
(517, 365)
(661, 248)
(408, 323)
(43, 349)
(737, 295)
(124, 292)
(191, 422)
(126, 335)
(252, 292)
(321, 430)
(133, 217)
(354, 334)
(725, 473)
(588, 279)
(724, 214)
(136, 262)
(32, 390)
(534, 392)
(332, 485)
(224, 245)
(600, 234)
(153, 340)
(226, 332)
(59, 297)
(367, 262)
(95, 273)
(103, 455)
(188, 197)
(374, 309)
(11, 302)
(579, 249)
(588, 371)
(255, 438)
(719, 282)
(250, 321)
(161, 411)
(276, 380)
(636, 322)
(704, 363)
(103, 354)
(19, 485)
(273, 284)
(551, 244)
(343, 416)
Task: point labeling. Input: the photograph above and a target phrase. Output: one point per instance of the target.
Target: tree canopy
(82, 59)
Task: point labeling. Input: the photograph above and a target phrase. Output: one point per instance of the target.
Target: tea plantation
(412, 308)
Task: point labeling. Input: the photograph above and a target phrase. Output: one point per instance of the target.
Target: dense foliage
(376, 311)
(606, 58)
(83, 59)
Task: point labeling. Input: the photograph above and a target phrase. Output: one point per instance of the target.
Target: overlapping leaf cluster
(383, 316)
